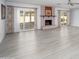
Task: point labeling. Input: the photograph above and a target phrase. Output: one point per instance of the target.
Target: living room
(39, 29)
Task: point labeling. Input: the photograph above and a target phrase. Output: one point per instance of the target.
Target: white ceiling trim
(45, 2)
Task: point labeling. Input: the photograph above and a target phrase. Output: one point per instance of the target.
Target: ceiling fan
(69, 3)
(72, 4)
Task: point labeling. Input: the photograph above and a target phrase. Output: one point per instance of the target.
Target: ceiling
(45, 2)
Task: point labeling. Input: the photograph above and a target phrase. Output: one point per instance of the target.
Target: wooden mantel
(47, 16)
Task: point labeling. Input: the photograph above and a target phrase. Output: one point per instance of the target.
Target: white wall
(2, 24)
(16, 20)
(74, 17)
(16, 26)
(17, 4)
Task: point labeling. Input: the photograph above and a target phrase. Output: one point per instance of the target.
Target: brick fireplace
(47, 17)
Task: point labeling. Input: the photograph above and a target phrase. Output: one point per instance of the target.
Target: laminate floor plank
(61, 43)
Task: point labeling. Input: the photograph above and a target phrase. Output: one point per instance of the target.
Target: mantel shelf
(48, 16)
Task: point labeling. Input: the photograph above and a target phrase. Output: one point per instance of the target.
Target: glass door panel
(63, 16)
(32, 20)
(21, 20)
(27, 19)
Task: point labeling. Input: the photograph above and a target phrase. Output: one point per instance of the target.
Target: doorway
(27, 19)
(63, 17)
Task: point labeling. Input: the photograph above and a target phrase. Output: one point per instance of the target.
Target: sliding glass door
(27, 19)
(63, 17)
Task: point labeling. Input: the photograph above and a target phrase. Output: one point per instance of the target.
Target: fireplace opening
(48, 22)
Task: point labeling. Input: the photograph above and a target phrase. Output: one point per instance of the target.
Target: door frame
(68, 21)
(35, 23)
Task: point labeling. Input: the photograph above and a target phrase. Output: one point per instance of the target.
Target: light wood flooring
(61, 43)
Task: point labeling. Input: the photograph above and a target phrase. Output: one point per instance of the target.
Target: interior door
(10, 19)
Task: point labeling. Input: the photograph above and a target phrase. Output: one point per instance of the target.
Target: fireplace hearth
(48, 22)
